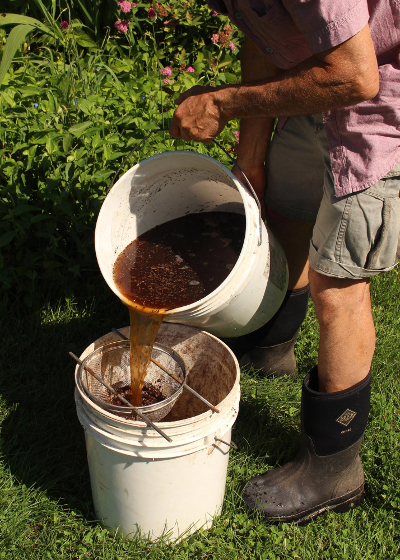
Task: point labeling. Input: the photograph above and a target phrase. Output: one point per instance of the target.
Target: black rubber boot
(278, 359)
(327, 472)
(270, 349)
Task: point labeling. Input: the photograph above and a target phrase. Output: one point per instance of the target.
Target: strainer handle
(113, 391)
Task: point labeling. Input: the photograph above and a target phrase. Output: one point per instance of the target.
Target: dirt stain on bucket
(173, 265)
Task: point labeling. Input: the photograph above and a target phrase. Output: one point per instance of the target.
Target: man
(331, 184)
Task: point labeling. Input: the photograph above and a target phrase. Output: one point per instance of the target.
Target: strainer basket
(111, 362)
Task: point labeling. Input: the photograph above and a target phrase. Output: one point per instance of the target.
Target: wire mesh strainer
(111, 363)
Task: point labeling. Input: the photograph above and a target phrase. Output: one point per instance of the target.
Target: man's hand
(256, 176)
(198, 116)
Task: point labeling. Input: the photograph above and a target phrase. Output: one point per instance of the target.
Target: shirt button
(269, 50)
(238, 15)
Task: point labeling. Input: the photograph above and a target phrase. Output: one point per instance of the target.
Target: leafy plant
(68, 116)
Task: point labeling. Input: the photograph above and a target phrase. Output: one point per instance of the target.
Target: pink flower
(190, 69)
(167, 71)
(171, 24)
(125, 6)
(236, 134)
(232, 46)
(166, 22)
(64, 25)
(152, 13)
(215, 38)
(134, 4)
(166, 81)
(215, 13)
(122, 26)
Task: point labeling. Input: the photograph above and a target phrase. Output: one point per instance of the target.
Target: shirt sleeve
(218, 6)
(328, 23)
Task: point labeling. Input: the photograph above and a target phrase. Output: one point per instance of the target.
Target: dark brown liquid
(170, 266)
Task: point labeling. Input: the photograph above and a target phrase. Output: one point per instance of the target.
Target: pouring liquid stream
(170, 266)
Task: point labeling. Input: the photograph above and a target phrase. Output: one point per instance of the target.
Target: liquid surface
(170, 266)
(180, 262)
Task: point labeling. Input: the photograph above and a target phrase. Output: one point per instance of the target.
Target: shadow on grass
(42, 441)
(264, 431)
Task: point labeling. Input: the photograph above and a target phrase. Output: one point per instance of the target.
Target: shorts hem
(328, 267)
(294, 213)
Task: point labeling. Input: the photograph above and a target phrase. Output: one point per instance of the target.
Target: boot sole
(338, 505)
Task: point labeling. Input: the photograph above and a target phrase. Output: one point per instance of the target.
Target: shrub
(69, 114)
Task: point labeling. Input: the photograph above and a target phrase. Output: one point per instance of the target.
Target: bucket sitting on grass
(140, 482)
(173, 184)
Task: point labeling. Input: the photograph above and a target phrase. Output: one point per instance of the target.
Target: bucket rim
(177, 424)
(199, 306)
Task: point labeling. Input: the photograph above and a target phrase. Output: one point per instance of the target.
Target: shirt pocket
(277, 31)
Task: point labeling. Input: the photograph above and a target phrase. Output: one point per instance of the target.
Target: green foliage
(70, 111)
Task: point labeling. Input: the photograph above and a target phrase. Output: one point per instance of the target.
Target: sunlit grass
(45, 499)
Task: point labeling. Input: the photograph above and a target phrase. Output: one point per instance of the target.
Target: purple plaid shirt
(364, 139)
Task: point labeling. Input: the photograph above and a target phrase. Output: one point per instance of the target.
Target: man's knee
(334, 296)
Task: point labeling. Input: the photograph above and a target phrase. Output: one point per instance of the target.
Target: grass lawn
(45, 498)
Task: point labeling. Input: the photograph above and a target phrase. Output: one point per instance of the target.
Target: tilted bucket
(173, 184)
(141, 482)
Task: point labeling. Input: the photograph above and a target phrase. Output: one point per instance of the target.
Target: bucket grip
(232, 444)
(221, 148)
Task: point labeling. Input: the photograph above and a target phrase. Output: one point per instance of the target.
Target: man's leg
(355, 237)
(294, 237)
(295, 176)
(270, 349)
(347, 332)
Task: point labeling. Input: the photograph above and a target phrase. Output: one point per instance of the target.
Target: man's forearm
(255, 133)
(340, 77)
(317, 84)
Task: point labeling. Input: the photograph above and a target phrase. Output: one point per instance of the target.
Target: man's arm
(342, 76)
(255, 133)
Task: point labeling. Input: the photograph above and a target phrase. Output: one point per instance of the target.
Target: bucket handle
(219, 146)
(232, 444)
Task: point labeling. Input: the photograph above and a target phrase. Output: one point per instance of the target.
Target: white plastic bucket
(139, 481)
(171, 185)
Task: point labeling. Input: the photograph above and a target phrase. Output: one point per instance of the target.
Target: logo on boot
(347, 416)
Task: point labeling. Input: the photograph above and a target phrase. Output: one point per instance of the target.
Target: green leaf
(78, 129)
(84, 40)
(22, 208)
(28, 91)
(13, 19)
(230, 78)
(67, 142)
(14, 40)
(6, 238)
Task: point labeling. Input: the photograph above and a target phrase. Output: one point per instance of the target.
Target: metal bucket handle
(219, 146)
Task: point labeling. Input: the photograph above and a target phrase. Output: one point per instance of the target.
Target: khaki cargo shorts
(355, 236)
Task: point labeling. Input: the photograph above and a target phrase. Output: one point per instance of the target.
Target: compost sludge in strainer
(170, 266)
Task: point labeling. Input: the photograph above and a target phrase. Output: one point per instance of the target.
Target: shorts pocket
(386, 251)
(371, 238)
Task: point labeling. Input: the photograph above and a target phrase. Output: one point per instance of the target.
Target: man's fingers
(178, 131)
(174, 128)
